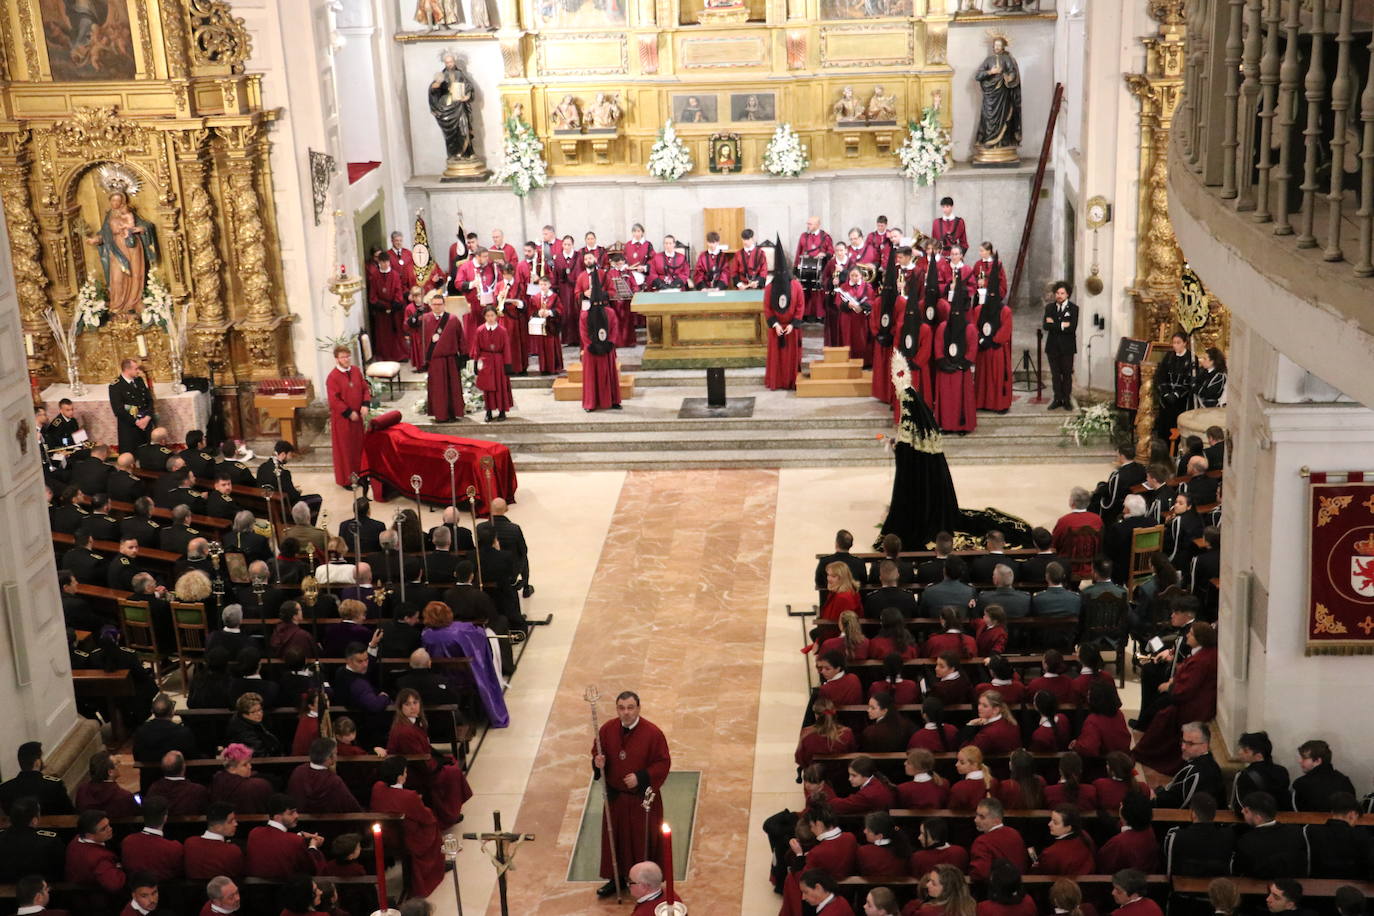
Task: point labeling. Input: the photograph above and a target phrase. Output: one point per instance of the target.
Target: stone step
(851, 387)
(796, 458)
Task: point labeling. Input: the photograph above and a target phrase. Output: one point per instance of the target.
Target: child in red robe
(511, 297)
(853, 302)
(548, 346)
(490, 347)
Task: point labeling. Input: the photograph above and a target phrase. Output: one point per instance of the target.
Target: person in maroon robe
(815, 243)
(402, 259)
(548, 347)
(750, 270)
(89, 862)
(648, 890)
(500, 248)
(877, 246)
(1192, 697)
(838, 276)
(442, 782)
(423, 838)
(983, 268)
(712, 270)
(150, 851)
(633, 756)
(101, 791)
(639, 251)
(992, 374)
(386, 302)
(476, 280)
(414, 317)
(275, 852)
(785, 301)
(854, 301)
(348, 393)
(590, 247)
(669, 268)
(566, 273)
(949, 230)
(183, 796)
(236, 786)
(317, 787)
(956, 278)
(510, 295)
(213, 852)
(490, 347)
(598, 328)
(620, 285)
(956, 341)
(443, 336)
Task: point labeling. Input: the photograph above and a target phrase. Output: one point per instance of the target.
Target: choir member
(820, 890)
(414, 318)
(639, 252)
(500, 248)
(150, 851)
(213, 852)
(443, 783)
(443, 339)
(1007, 896)
(669, 268)
(1053, 732)
(955, 342)
(316, 787)
(988, 266)
(887, 851)
(843, 259)
(975, 783)
(619, 283)
(143, 896)
(1104, 728)
(949, 230)
(826, 736)
(101, 791)
(510, 298)
(1070, 851)
(631, 755)
(1128, 891)
(548, 347)
(402, 259)
(423, 838)
(600, 369)
(476, 281)
(1135, 846)
(834, 855)
(1070, 789)
(275, 851)
(997, 732)
(992, 370)
(182, 795)
(491, 348)
(877, 246)
(712, 269)
(590, 247)
(1023, 789)
(936, 849)
(872, 791)
(1119, 782)
(750, 270)
(837, 685)
(956, 277)
(904, 691)
(854, 303)
(851, 640)
(784, 297)
(236, 786)
(386, 301)
(948, 892)
(815, 244)
(926, 789)
(996, 841)
(565, 274)
(888, 731)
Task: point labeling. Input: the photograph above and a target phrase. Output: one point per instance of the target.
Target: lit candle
(381, 868)
(28, 344)
(142, 346)
(668, 861)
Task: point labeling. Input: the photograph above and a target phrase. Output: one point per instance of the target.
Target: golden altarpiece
(153, 93)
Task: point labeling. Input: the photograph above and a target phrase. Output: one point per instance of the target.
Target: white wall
(1032, 44)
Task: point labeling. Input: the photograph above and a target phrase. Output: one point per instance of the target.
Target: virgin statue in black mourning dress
(450, 101)
(999, 121)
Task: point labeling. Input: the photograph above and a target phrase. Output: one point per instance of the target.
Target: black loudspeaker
(195, 383)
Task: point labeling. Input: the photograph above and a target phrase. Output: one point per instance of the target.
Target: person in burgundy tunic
(548, 347)
(1128, 890)
(669, 268)
(510, 295)
(476, 281)
(639, 252)
(443, 783)
(621, 286)
(992, 373)
(949, 230)
(750, 270)
(443, 337)
(784, 298)
(423, 837)
(565, 276)
(101, 791)
(996, 841)
(815, 243)
(956, 341)
(386, 302)
(402, 259)
(236, 786)
(317, 787)
(1071, 851)
(633, 757)
(150, 851)
(213, 852)
(89, 862)
(854, 301)
(834, 854)
(414, 316)
(1135, 846)
(490, 347)
(275, 852)
(348, 394)
(712, 270)
(600, 369)
(646, 885)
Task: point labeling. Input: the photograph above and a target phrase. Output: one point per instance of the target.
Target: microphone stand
(400, 553)
(416, 482)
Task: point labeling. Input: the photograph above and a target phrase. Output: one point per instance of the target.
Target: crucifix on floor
(503, 857)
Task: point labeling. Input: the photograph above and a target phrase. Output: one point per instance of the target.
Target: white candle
(142, 346)
(28, 344)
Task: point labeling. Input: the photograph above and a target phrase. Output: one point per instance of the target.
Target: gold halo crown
(1365, 547)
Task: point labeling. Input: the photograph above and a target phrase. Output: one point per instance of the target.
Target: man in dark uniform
(48, 790)
(26, 850)
(160, 734)
(132, 404)
(92, 473)
(243, 539)
(76, 613)
(274, 469)
(243, 477)
(1202, 848)
(1159, 493)
(124, 567)
(68, 517)
(1340, 847)
(84, 563)
(844, 541)
(1320, 780)
(61, 428)
(1199, 772)
(1061, 343)
(199, 459)
(181, 493)
(140, 525)
(1109, 496)
(123, 484)
(179, 533)
(1268, 849)
(166, 481)
(153, 454)
(1159, 667)
(220, 502)
(1261, 774)
(98, 523)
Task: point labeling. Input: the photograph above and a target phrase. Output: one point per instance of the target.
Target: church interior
(663, 456)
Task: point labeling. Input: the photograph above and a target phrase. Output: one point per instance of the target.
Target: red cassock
(838, 856)
(950, 277)
(643, 752)
(750, 268)
(999, 843)
(415, 334)
(950, 232)
(1071, 855)
(279, 854)
(816, 244)
(490, 347)
(600, 371)
(924, 861)
(785, 350)
(853, 303)
(206, 858)
(445, 786)
(982, 268)
(248, 795)
(955, 409)
(565, 275)
(670, 272)
(386, 302)
(434, 278)
(1100, 735)
(478, 286)
(845, 690)
(443, 337)
(876, 247)
(625, 319)
(992, 375)
(599, 252)
(347, 393)
(549, 347)
(838, 272)
(712, 271)
(109, 797)
(515, 319)
(403, 262)
(1194, 692)
(637, 257)
(320, 791)
(813, 743)
(422, 835)
(158, 856)
(997, 738)
(1129, 849)
(647, 907)
(505, 252)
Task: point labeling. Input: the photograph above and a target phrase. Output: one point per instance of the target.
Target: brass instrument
(869, 271)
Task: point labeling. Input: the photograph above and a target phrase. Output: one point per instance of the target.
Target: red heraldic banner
(1340, 603)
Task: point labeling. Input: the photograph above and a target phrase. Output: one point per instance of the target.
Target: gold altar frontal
(695, 329)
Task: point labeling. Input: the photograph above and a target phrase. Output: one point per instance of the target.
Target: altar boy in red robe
(854, 302)
(633, 757)
(386, 302)
(476, 282)
(423, 838)
(597, 329)
(992, 375)
(415, 319)
(511, 297)
(490, 346)
(443, 336)
(750, 270)
(712, 270)
(785, 301)
(618, 280)
(348, 393)
(948, 229)
(549, 346)
(669, 268)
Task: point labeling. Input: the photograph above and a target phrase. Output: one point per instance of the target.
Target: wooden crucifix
(507, 844)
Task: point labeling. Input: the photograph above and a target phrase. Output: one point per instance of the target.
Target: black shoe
(606, 890)
(501, 416)
(488, 416)
(528, 591)
(588, 409)
(616, 407)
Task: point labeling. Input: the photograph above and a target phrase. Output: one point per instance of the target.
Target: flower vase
(177, 386)
(73, 378)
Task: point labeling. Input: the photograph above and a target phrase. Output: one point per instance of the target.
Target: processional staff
(416, 481)
(593, 695)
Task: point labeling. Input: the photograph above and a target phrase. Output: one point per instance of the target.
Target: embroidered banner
(1340, 601)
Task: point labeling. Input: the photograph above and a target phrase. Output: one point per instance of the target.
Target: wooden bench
(1311, 887)
(148, 556)
(252, 498)
(930, 554)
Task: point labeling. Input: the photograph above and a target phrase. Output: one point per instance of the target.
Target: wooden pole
(1039, 182)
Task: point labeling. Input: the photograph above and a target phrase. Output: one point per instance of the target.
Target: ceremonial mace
(415, 483)
(267, 492)
(398, 518)
(451, 847)
(451, 456)
(472, 507)
(647, 804)
(357, 527)
(592, 695)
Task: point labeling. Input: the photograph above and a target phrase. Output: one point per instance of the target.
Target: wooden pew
(203, 522)
(930, 554)
(1311, 887)
(249, 497)
(150, 557)
(111, 686)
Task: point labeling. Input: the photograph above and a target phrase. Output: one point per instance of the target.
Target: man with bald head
(512, 539)
(815, 243)
(422, 677)
(646, 886)
(152, 455)
(460, 538)
(123, 484)
(183, 796)
(1199, 486)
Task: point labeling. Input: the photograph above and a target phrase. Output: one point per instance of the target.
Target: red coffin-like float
(393, 451)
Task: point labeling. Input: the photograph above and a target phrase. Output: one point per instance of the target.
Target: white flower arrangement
(157, 302)
(473, 399)
(669, 159)
(784, 155)
(925, 153)
(92, 305)
(1092, 423)
(522, 159)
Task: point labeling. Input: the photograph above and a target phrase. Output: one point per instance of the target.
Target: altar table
(177, 413)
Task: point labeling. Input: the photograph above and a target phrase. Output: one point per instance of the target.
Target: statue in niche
(566, 116)
(999, 120)
(480, 20)
(847, 110)
(438, 14)
(882, 108)
(450, 101)
(605, 112)
(127, 243)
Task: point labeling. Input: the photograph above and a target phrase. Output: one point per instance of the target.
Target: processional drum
(810, 272)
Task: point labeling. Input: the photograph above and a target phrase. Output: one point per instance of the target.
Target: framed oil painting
(88, 39)
(747, 107)
(690, 108)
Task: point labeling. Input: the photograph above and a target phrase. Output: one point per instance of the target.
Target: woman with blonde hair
(336, 567)
(1224, 896)
(192, 586)
(844, 592)
(881, 902)
(977, 782)
(927, 789)
(998, 732)
(826, 736)
(948, 892)
(349, 629)
(851, 640)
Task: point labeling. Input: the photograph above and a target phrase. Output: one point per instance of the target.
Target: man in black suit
(1340, 847)
(1159, 493)
(843, 542)
(68, 517)
(179, 533)
(386, 561)
(1108, 498)
(123, 568)
(1207, 565)
(132, 404)
(933, 570)
(497, 568)
(1320, 780)
(513, 540)
(197, 457)
(1061, 343)
(161, 734)
(98, 523)
(1202, 488)
(124, 485)
(890, 593)
(400, 636)
(442, 562)
(92, 473)
(1014, 602)
(1261, 774)
(273, 473)
(422, 677)
(364, 535)
(471, 604)
(1199, 772)
(1216, 448)
(197, 558)
(84, 563)
(1202, 848)
(1268, 849)
(182, 492)
(240, 472)
(1033, 567)
(892, 550)
(153, 454)
(220, 503)
(1116, 539)
(980, 568)
(75, 611)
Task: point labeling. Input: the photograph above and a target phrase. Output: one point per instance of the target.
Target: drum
(810, 273)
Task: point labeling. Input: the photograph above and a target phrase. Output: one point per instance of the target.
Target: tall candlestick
(142, 346)
(668, 860)
(381, 867)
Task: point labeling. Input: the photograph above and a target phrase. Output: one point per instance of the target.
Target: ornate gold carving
(98, 133)
(261, 343)
(25, 253)
(218, 37)
(145, 36)
(1330, 507)
(937, 42)
(1326, 623)
(722, 52)
(30, 41)
(251, 253)
(571, 56)
(796, 49)
(648, 54)
(511, 58)
(848, 46)
(174, 41)
(1166, 12)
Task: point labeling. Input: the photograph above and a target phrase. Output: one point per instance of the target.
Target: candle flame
(376, 828)
(666, 829)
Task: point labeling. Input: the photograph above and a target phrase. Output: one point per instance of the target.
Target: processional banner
(1340, 599)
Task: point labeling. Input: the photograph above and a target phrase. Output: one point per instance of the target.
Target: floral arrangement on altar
(784, 154)
(926, 150)
(472, 395)
(669, 159)
(157, 302)
(522, 159)
(92, 305)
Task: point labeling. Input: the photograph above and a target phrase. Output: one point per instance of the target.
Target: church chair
(192, 629)
(1144, 542)
(140, 635)
(382, 369)
(1103, 620)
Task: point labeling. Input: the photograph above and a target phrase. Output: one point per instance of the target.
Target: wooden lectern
(703, 329)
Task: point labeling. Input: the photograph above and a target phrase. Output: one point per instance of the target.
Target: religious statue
(566, 115)
(437, 13)
(882, 108)
(847, 109)
(450, 101)
(605, 112)
(127, 243)
(999, 121)
(480, 20)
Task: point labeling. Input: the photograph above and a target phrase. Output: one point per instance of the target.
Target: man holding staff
(631, 755)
